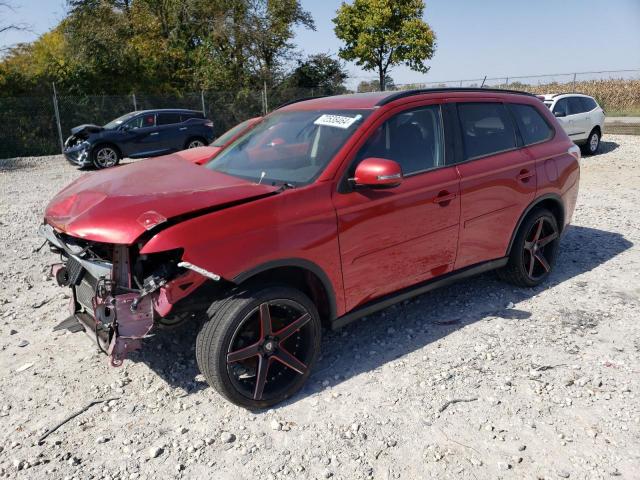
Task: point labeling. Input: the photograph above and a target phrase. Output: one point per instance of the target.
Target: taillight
(208, 124)
(574, 151)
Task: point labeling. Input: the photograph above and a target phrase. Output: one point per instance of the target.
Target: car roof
(371, 100)
(557, 96)
(168, 110)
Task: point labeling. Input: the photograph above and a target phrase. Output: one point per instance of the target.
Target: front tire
(259, 345)
(534, 250)
(105, 156)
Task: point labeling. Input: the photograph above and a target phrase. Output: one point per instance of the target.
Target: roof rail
(409, 93)
(301, 99)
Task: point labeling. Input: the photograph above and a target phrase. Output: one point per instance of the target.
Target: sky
(497, 38)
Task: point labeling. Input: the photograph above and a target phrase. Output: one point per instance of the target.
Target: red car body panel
(109, 205)
(363, 243)
(199, 155)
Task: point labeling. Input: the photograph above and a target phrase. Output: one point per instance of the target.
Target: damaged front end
(118, 294)
(77, 148)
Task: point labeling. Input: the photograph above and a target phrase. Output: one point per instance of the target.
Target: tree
(374, 85)
(379, 34)
(8, 26)
(320, 72)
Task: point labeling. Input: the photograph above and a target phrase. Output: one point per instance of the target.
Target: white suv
(580, 116)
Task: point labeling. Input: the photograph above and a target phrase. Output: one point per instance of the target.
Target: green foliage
(159, 46)
(320, 72)
(379, 34)
(374, 85)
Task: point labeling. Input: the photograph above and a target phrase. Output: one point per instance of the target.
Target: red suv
(327, 210)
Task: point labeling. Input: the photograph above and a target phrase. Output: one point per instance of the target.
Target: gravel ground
(481, 380)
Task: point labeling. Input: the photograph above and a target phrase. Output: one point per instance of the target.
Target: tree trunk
(381, 74)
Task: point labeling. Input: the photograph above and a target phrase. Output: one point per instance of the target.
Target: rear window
(486, 129)
(532, 126)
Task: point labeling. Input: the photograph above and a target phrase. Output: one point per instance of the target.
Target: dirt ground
(545, 383)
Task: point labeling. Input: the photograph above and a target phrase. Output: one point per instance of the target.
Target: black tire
(191, 143)
(593, 143)
(534, 250)
(105, 156)
(240, 344)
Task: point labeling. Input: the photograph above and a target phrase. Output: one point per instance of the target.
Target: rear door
(394, 238)
(580, 117)
(498, 180)
(170, 135)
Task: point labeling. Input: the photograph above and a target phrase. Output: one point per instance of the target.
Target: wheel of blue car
(105, 156)
(195, 143)
(259, 345)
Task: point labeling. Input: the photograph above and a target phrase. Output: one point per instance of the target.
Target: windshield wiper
(284, 186)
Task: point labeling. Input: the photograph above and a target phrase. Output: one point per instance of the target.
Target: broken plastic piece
(199, 270)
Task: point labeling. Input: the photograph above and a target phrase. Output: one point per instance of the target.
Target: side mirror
(560, 114)
(378, 173)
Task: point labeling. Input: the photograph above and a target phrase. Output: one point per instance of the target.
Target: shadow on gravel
(392, 333)
(606, 147)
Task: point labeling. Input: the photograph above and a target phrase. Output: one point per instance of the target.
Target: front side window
(289, 147)
(486, 129)
(143, 121)
(414, 139)
(562, 107)
(533, 128)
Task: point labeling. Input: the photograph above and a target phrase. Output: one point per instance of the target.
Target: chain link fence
(33, 126)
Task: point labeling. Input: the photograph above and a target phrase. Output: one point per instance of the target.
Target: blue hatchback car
(146, 133)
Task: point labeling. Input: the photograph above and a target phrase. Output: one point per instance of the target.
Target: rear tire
(195, 142)
(534, 250)
(593, 143)
(259, 345)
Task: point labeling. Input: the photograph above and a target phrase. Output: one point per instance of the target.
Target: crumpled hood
(118, 205)
(87, 129)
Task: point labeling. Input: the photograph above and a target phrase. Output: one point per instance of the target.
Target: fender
(295, 262)
(549, 196)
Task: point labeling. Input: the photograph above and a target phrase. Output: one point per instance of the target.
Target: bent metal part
(104, 303)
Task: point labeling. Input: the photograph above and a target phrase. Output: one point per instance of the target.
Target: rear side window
(486, 129)
(187, 116)
(168, 118)
(575, 106)
(533, 127)
(588, 104)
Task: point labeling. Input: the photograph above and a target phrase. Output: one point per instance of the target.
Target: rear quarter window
(486, 129)
(588, 104)
(532, 125)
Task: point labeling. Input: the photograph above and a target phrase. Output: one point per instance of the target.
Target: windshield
(289, 147)
(226, 137)
(118, 121)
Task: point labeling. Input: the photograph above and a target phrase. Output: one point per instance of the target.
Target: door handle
(525, 175)
(444, 198)
(182, 128)
(154, 133)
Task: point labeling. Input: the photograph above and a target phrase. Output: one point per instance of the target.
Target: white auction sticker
(338, 121)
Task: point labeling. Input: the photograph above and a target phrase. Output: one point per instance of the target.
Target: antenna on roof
(485, 79)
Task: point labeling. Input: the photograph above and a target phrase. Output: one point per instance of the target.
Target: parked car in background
(146, 133)
(580, 116)
(202, 155)
(325, 212)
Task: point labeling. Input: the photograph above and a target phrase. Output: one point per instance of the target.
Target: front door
(394, 238)
(497, 181)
